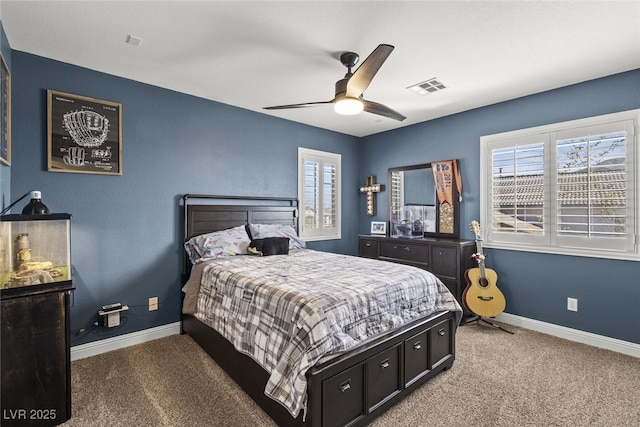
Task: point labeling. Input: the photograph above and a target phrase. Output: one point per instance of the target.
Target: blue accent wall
(126, 230)
(535, 285)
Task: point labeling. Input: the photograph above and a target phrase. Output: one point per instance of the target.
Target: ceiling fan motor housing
(349, 59)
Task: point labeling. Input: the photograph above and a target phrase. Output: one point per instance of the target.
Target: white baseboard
(122, 341)
(601, 341)
(109, 344)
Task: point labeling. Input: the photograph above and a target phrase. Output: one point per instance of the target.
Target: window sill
(624, 256)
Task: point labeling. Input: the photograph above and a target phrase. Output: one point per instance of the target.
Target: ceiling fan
(349, 90)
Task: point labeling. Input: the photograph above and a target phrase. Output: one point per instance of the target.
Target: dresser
(448, 259)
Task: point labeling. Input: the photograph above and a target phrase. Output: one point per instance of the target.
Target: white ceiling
(253, 54)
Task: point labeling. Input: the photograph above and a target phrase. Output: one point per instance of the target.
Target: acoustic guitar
(482, 295)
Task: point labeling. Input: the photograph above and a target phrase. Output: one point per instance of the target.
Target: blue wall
(126, 233)
(126, 242)
(536, 286)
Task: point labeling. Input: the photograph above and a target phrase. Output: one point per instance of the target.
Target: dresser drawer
(440, 348)
(383, 376)
(444, 261)
(368, 248)
(343, 397)
(416, 361)
(405, 251)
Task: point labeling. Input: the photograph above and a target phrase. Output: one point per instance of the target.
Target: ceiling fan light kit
(348, 98)
(348, 106)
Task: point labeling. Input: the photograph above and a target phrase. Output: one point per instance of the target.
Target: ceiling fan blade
(362, 77)
(303, 105)
(382, 110)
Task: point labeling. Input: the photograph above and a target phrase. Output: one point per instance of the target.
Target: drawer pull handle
(368, 244)
(345, 386)
(441, 332)
(417, 345)
(384, 364)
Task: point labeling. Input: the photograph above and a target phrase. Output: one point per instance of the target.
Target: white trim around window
(319, 177)
(568, 188)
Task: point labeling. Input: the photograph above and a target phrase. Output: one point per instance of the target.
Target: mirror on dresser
(418, 207)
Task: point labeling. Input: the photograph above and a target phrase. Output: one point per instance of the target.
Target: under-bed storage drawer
(343, 397)
(415, 358)
(440, 348)
(383, 376)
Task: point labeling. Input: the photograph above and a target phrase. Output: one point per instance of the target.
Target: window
(568, 188)
(319, 194)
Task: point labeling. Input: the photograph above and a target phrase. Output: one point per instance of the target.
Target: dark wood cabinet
(385, 370)
(36, 381)
(448, 259)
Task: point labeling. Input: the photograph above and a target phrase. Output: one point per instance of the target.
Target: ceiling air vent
(133, 40)
(428, 86)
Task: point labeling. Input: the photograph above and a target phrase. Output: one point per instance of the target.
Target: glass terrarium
(34, 250)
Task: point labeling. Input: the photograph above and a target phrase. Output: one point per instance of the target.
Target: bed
(333, 366)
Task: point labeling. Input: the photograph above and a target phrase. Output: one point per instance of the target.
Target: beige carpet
(498, 379)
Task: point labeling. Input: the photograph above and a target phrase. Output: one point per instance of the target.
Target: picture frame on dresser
(379, 228)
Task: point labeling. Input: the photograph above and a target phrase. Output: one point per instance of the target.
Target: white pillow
(229, 242)
(260, 231)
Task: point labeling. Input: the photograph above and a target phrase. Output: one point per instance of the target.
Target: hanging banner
(445, 175)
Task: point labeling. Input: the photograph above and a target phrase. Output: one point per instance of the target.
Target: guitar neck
(480, 257)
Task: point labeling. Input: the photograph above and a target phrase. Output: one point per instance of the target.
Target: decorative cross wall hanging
(369, 188)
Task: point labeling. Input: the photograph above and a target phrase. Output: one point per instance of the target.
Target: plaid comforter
(289, 311)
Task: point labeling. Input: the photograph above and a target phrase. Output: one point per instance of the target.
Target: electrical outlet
(572, 304)
(153, 303)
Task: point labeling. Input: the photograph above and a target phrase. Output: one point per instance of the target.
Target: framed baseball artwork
(84, 134)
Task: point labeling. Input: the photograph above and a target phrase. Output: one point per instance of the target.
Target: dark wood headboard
(206, 213)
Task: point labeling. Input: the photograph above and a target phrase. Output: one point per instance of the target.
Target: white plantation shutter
(592, 187)
(311, 199)
(516, 185)
(319, 194)
(564, 188)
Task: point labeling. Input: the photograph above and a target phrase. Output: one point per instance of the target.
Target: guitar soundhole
(483, 282)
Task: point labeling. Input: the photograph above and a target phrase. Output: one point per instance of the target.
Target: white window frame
(321, 157)
(550, 241)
